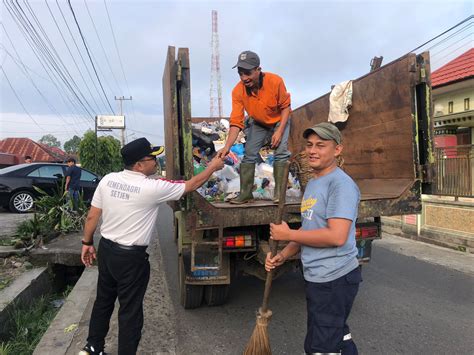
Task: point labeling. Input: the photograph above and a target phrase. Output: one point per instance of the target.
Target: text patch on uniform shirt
(307, 207)
(122, 191)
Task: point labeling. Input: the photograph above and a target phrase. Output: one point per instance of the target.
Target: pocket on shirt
(271, 106)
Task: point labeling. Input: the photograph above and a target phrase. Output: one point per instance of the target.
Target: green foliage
(56, 211)
(50, 140)
(72, 146)
(53, 214)
(103, 158)
(29, 325)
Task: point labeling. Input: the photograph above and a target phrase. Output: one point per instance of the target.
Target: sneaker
(90, 350)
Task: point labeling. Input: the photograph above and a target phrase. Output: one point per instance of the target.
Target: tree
(103, 158)
(72, 145)
(50, 141)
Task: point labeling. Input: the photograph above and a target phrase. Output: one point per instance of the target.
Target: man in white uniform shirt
(128, 203)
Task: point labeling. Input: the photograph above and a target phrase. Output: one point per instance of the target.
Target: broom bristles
(259, 343)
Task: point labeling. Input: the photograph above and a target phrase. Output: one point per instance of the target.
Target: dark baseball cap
(247, 60)
(138, 149)
(326, 131)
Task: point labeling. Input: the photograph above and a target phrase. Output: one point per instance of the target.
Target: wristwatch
(87, 243)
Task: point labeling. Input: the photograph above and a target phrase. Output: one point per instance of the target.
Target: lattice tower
(215, 92)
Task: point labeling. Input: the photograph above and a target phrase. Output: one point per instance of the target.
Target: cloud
(311, 44)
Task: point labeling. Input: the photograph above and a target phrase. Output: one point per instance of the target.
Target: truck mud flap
(364, 250)
(206, 277)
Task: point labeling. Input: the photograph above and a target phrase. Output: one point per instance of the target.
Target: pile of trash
(224, 185)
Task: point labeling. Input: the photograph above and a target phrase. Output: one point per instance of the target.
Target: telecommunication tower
(215, 91)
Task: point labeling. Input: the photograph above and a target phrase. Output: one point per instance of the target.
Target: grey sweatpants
(259, 135)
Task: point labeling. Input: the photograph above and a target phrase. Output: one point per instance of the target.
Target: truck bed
(387, 141)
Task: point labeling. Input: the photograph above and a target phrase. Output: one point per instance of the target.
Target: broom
(259, 343)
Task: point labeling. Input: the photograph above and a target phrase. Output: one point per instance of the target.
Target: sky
(310, 44)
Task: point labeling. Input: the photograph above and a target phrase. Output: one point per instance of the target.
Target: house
(447, 216)
(453, 101)
(21, 147)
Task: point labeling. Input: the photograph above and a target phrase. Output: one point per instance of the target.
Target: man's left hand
(280, 231)
(276, 139)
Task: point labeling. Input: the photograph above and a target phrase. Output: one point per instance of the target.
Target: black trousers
(123, 274)
(329, 305)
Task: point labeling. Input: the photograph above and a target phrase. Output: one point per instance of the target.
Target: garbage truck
(387, 151)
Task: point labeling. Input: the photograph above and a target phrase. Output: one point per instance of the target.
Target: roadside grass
(29, 323)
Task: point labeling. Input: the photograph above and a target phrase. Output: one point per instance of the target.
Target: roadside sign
(109, 122)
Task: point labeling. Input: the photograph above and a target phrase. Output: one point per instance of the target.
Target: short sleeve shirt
(264, 107)
(334, 195)
(130, 201)
(74, 173)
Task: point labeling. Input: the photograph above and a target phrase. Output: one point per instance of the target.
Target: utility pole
(121, 99)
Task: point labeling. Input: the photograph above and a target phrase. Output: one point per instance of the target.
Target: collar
(133, 173)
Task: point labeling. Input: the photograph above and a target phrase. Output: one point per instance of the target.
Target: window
(466, 104)
(450, 107)
(48, 171)
(87, 176)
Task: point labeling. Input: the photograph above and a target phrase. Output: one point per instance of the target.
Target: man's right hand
(88, 255)
(271, 263)
(223, 153)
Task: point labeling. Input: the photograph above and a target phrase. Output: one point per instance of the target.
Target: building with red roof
(14, 150)
(453, 99)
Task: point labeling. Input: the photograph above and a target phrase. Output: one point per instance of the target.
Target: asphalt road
(404, 306)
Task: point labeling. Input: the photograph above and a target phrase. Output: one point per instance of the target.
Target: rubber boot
(247, 175)
(278, 175)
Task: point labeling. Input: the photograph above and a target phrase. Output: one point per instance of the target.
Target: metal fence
(454, 171)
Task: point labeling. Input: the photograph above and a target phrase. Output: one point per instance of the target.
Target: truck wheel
(216, 295)
(190, 295)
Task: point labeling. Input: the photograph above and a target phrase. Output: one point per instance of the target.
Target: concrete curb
(460, 261)
(60, 333)
(23, 289)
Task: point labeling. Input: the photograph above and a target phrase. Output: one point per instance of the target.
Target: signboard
(108, 122)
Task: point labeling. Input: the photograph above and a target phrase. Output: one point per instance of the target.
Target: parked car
(16, 184)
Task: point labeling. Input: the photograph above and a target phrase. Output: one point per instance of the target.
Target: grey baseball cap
(326, 131)
(247, 60)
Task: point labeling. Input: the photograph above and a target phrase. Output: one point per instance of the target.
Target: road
(405, 306)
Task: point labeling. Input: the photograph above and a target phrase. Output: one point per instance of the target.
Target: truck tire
(190, 295)
(216, 295)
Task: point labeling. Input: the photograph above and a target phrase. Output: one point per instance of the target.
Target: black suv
(16, 184)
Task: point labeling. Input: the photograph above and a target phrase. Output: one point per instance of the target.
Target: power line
(19, 100)
(39, 60)
(80, 55)
(452, 44)
(51, 107)
(72, 56)
(118, 54)
(89, 55)
(44, 50)
(26, 36)
(469, 25)
(447, 55)
(431, 40)
(103, 50)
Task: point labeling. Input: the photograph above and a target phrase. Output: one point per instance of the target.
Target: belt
(124, 247)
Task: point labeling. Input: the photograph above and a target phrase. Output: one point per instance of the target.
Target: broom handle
(274, 243)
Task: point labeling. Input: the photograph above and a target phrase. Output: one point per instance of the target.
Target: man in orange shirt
(265, 99)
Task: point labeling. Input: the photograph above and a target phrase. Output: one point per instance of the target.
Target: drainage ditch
(33, 301)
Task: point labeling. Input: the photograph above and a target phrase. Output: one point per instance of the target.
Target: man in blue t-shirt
(73, 178)
(327, 243)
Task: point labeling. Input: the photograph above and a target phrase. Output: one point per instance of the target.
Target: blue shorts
(329, 305)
